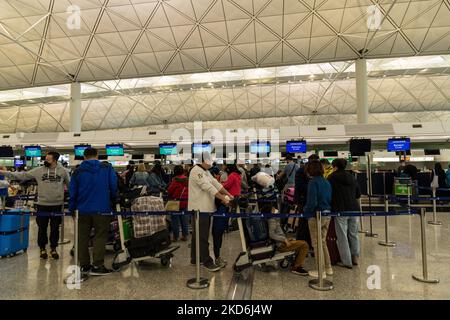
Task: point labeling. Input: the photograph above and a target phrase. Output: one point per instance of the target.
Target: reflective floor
(27, 277)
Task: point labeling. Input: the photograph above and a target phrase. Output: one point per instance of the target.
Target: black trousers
(204, 223)
(43, 223)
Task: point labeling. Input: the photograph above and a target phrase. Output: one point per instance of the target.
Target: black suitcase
(303, 231)
(148, 246)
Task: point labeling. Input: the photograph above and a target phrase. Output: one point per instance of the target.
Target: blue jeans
(347, 238)
(176, 221)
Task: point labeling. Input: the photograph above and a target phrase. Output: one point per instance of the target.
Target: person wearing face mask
(203, 190)
(51, 179)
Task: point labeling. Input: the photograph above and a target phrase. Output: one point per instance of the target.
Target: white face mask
(209, 162)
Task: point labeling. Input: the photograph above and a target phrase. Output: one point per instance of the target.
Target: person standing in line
(140, 177)
(318, 199)
(93, 189)
(243, 171)
(178, 190)
(345, 195)
(327, 168)
(203, 190)
(51, 179)
(156, 181)
(220, 224)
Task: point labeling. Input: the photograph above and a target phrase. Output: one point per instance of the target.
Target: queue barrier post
(424, 277)
(361, 230)
(197, 282)
(320, 284)
(434, 221)
(386, 241)
(370, 233)
(77, 278)
(62, 240)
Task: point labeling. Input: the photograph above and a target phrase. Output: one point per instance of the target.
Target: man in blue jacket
(93, 188)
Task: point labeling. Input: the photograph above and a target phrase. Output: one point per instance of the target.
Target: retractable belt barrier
(214, 214)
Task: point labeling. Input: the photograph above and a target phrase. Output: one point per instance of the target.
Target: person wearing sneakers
(318, 199)
(233, 185)
(50, 179)
(203, 189)
(92, 190)
(285, 244)
(345, 195)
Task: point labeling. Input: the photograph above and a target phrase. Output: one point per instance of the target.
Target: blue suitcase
(13, 234)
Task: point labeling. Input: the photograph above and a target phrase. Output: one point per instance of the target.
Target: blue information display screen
(168, 149)
(403, 144)
(296, 146)
(114, 150)
(79, 150)
(198, 148)
(260, 147)
(18, 163)
(33, 151)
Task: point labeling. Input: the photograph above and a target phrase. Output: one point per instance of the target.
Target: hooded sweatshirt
(50, 183)
(345, 191)
(93, 187)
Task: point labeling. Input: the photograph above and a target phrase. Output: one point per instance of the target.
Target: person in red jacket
(178, 190)
(220, 225)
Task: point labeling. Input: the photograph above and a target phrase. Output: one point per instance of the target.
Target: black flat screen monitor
(432, 152)
(359, 147)
(6, 152)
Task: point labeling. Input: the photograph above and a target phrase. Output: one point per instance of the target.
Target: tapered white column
(75, 107)
(362, 108)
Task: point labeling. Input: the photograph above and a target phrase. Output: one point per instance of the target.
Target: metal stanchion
(62, 240)
(71, 280)
(369, 192)
(197, 282)
(361, 230)
(434, 221)
(320, 283)
(424, 277)
(386, 242)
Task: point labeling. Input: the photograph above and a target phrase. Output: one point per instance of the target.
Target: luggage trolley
(125, 256)
(261, 253)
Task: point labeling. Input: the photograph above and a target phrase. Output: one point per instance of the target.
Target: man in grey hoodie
(51, 179)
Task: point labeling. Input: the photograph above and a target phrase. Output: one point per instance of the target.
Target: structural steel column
(362, 108)
(75, 107)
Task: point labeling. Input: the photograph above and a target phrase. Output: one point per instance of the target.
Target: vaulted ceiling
(41, 44)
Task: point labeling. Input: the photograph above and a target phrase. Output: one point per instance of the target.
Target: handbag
(174, 205)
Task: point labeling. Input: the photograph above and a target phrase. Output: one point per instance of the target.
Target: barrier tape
(215, 214)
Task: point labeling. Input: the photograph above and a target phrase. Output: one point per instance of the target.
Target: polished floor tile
(27, 277)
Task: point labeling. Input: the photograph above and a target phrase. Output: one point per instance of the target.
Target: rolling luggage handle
(197, 282)
(320, 284)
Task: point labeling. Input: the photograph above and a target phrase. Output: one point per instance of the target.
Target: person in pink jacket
(220, 225)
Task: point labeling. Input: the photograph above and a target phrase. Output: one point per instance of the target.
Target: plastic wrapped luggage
(332, 243)
(150, 245)
(13, 234)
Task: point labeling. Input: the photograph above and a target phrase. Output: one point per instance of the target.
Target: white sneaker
(315, 274)
(329, 271)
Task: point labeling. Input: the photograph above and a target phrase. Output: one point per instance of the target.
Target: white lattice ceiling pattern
(41, 43)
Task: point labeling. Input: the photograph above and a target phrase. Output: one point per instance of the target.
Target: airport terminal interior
(126, 126)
